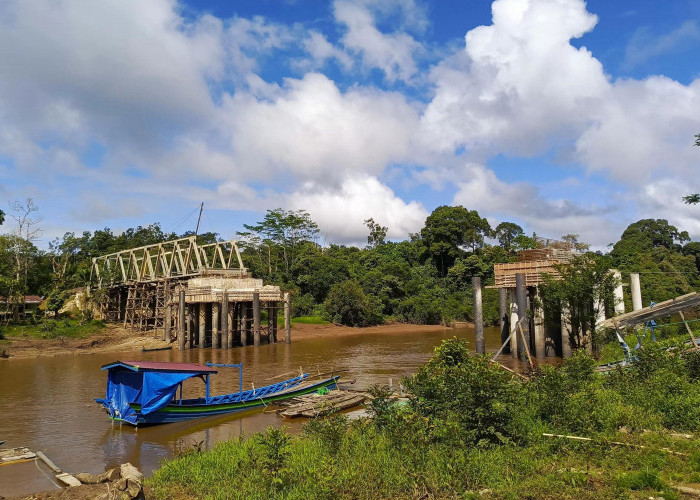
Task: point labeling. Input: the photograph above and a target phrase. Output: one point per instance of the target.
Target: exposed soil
(114, 338)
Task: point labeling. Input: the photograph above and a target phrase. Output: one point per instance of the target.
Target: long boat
(146, 392)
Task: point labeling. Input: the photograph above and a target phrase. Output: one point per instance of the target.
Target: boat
(146, 392)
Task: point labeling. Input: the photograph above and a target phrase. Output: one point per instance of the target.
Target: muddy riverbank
(114, 338)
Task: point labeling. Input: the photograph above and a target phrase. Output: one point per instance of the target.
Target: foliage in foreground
(472, 431)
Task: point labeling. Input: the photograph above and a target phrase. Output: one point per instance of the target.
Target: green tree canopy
(506, 234)
(448, 229)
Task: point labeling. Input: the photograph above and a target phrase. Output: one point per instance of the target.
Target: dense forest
(424, 279)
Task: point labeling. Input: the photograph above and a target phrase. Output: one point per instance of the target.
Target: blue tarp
(152, 390)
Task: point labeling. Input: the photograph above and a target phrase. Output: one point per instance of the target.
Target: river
(48, 403)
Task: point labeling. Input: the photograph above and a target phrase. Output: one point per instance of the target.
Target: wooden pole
(513, 324)
(215, 325)
(690, 332)
(225, 333)
(256, 319)
(521, 299)
(245, 323)
(287, 319)
(181, 324)
(202, 324)
(505, 319)
(478, 316)
(166, 319)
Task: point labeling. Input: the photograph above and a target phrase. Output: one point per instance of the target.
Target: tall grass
(471, 431)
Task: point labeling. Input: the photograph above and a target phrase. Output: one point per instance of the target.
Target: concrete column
(287, 318)
(166, 320)
(256, 319)
(215, 325)
(514, 340)
(565, 331)
(619, 298)
(233, 328)
(538, 316)
(521, 298)
(202, 324)
(245, 323)
(478, 316)
(504, 316)
(636, 287)
(274, 321)
(225, 331)
(181, 323)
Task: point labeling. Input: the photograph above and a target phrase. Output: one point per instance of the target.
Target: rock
(109, 476)
(128, 471)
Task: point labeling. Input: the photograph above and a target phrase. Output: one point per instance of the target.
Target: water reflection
(47, 403)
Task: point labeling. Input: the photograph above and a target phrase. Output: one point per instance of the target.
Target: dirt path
(115, 338)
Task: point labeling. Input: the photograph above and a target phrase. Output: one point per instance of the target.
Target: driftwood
(616, 443)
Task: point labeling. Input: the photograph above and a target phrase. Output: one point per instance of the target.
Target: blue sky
(561, 115)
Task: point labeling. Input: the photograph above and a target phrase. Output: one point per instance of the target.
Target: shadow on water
(48, 403)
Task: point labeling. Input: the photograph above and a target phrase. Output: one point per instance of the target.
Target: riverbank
(114, 338)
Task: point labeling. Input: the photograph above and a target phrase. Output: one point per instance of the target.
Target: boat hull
(177, 413)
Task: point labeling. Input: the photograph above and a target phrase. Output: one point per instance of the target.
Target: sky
(562, 116)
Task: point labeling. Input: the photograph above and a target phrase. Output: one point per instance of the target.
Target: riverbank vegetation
(472, 430)
(425, 279)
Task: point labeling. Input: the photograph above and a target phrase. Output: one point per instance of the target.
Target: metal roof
(159, 366)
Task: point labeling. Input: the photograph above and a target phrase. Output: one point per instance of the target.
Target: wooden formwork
(504, 274)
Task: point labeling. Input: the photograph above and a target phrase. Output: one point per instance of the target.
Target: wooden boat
(144, 392)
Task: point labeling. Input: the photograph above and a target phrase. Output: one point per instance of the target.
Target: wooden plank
(657, 310)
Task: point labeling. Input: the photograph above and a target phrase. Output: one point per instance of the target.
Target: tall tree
(693, 199)
(506, 233)
(448, 230)
(377, 233)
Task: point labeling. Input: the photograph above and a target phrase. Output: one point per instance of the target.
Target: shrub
(348, 304)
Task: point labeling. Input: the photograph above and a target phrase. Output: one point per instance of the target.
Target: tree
(583, 288)
(2, 217)
(348, 304)
(448, 229)
(572, 239)
(377, 233)
(693, 199)
(506, 233)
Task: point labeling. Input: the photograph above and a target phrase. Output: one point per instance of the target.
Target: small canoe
(145, 393)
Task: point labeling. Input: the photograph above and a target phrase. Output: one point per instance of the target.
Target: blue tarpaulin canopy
(149, 384)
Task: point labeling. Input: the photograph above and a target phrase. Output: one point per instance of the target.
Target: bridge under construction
(198, 294)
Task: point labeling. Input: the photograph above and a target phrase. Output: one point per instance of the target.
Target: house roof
(28, 299)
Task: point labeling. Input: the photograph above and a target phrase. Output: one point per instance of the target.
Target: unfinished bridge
(199, 295)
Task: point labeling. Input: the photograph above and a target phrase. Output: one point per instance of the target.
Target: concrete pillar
(274, 321)
(256, 319)
(478, 316)
(504, 316)
(202, 324)
(514, 340)
(636, 289)
(245, 323)
(521, 298)
(215, 325)
(166, 319)
(565, 331)
(225, 330)
(181, 323)
(287, 318)
(619, 298)
(538, 316)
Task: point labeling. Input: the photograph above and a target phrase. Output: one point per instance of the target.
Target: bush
(470, 393)
(348, 304)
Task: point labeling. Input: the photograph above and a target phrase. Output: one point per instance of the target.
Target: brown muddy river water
(48, 404)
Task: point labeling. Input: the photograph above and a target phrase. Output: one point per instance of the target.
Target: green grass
(310, 320)
(50, 328)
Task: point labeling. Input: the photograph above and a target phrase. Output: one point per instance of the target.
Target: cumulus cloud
(312, 130)
(393, 53)
(341, 212)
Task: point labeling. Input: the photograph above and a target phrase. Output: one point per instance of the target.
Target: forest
(424, 279)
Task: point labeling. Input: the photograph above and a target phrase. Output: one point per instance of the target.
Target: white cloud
(484, 191)
(312, 130)
(321, 51)
(644, 45)
(393, 53)
(340, 213)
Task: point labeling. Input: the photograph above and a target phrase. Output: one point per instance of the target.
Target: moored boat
(145, 392)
